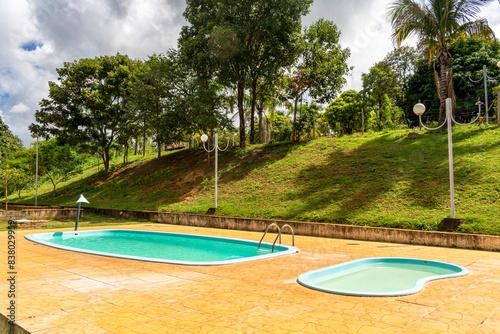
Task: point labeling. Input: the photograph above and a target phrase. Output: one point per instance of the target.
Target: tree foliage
(153, 93)
(379, 82)
(469, 56)
(321, 67)
(344, 114)
(88, 105)
(281, 127)
(402, 61)
(9, 143)
(18, 180)
(57, 163)
(236, 41)
(435, 23)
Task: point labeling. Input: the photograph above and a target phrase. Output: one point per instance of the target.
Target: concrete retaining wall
(430, 238)
(7, 327)
(40, 213)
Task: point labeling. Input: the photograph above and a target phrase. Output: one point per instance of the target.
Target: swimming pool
(177, 248)
(379, 276)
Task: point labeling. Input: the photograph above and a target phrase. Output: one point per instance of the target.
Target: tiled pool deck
(67, 292)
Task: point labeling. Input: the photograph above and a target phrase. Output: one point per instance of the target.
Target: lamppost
(216, 148)
(485, 77)
(5, 170)
(498, 102)
(36, 172)
(6, 189)
(419, 110)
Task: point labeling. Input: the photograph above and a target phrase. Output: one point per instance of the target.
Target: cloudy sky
(38, 36)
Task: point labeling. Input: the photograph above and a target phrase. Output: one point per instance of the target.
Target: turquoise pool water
(161, 246)
(379, 276)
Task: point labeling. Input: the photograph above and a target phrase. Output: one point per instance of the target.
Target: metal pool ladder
(279, 234)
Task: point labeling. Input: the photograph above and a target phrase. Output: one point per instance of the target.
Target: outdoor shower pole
(77, 216)
(80, 201)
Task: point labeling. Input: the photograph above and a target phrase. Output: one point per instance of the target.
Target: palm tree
(434, 23)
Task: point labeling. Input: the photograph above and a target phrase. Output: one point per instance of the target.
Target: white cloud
(19, 108)
(68, 30)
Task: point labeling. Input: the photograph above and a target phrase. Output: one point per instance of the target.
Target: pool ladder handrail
(279, 234)
(267, 228)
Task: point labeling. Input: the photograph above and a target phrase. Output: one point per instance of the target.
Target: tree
(307, 121)
(197, 101)
(380, 82)
(20, 174)
(435, 23)
(18, 180)
(469, 56)
(321, 66)
(402, 61)
(240, 40)
(344, 114)
(281, 127)
(57, 163)
(269, 96)
(88, 105)
(9, 143)
(151, 95)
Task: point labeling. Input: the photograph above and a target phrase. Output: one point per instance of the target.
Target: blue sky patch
(31, 45)
(4, 97)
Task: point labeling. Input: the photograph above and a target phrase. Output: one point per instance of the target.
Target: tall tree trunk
(136, 145)
(443, 91)
(294, 125)
(105, 159)
(52, 180)
(241, 112)
(210, 140)
(144, 144)
(252, 114)
(262, 127)
(125, 153)
(159, 149)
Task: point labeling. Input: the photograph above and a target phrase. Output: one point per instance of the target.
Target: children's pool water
(161, 246)
(379, 276)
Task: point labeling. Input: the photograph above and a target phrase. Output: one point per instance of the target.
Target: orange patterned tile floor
(66, 292)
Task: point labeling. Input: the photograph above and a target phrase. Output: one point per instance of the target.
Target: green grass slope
(381, 179)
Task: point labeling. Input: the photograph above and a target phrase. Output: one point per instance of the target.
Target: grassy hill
(381, 179)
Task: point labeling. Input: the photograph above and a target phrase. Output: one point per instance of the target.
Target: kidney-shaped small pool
(379, 276)
(164, 247)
